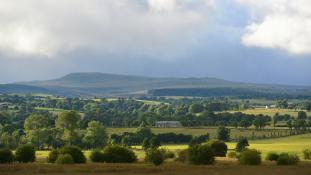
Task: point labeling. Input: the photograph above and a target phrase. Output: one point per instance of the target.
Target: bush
(287, 159)
(232, 154)
(155, 156)
(25, 153)
(53, 156)
(64, 159)
(201, 154)
(271, 156)
(250, 157)
(6, 156)
(118, 154)
(97, 156)
(75, 152)
(182, 155)
(220, 148)
(307, 154)
(169, 155)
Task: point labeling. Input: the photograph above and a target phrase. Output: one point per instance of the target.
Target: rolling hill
(103, 84)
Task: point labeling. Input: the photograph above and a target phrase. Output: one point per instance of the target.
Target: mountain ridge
(107, 84)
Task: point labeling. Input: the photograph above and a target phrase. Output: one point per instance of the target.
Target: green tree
(69, 122)
(302, 115)
(223, 133)
(36, 129)
(96, 135)
(242, 144)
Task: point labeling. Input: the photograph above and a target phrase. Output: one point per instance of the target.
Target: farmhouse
(168, 124)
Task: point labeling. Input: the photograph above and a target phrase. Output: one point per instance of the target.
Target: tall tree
(69, 122)
(35, 128)
(96, 135)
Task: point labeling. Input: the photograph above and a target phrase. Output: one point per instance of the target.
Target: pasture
(222, 167)
(271, 111)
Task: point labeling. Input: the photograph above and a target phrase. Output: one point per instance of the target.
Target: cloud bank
(282, 24)
(146, 27)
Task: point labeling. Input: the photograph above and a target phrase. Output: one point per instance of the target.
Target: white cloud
(52, 27)
(282, 24)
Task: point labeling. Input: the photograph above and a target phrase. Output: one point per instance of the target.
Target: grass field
(271, 111)
(222, 167)
(293, 144)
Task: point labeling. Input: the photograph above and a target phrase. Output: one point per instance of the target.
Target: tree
(245, 123)
(223, 133)
(69, 121)
(289, 124)
(196, 108)
(302, 115)
(96, 135)
(242, 144)
(36, 129)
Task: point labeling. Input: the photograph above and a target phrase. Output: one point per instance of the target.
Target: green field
(293, 144)
(271, 111)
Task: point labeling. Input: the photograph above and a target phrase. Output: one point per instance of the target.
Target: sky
(259, 41)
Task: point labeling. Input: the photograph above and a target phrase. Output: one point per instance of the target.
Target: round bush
(201, 154)
(250, 157)
(53, 156)
(232, 154)
(6, 156)
(271, 156)
(220, 148)
(287, 159)
(75, 152)
(155, 156)
(169, 155)
(25, 153)
(64, 159)
(118, 154)
(182, 155)
(97, 156)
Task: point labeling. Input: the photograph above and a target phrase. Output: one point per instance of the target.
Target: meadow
(271, 111)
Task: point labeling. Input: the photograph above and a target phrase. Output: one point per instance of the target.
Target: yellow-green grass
(271, 111)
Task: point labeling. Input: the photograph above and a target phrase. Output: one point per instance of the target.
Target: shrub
(97, 156)
(155, 156)
(169, 155)
(64, 159)
(25, 153)
(118, 154)
(201, 154)
(182, 155)
(271, 156)
(287, 159)
(250, 157)
(307, 154)
(232, 154)
(75, 152)
(53, 156)
(220, 148)
(6, 156)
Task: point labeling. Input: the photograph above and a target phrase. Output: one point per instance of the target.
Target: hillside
(102, 84)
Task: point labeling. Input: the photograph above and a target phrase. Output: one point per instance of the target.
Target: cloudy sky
(262, 41)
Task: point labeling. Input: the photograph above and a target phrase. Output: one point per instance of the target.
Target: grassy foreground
(170, 168)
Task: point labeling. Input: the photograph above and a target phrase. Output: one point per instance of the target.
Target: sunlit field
(271, 111)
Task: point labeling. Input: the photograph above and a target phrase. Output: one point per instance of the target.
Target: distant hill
(102, 84)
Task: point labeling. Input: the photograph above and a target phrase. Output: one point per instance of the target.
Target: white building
(168, 124)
